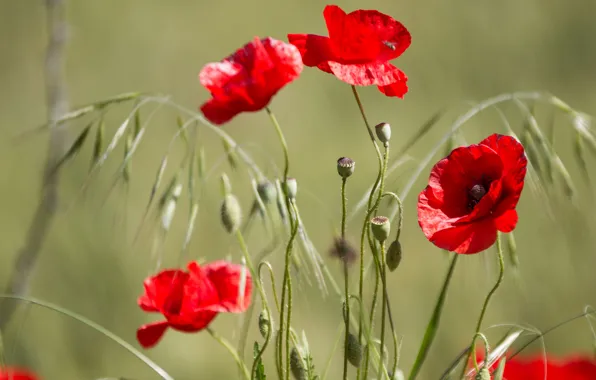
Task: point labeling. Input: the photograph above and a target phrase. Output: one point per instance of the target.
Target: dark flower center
(475, 194)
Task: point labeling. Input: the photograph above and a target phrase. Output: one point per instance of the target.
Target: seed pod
(231, 213)
(290, 188)
(297, 365)
(383, 131)
(226, 186)
(393, 257)
(264, 323)
(266, 191)
(353, 350)
(380, 227)
(345, 167)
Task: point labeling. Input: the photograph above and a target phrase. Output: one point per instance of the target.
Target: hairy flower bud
(383, 131)
(393, 256)
(345, 167)
(264, 323)
(353, 350)
(290, 187)
(297, 365)
(231, 213)
(380, 227)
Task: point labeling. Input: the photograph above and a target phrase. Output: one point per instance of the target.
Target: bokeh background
(462, 51)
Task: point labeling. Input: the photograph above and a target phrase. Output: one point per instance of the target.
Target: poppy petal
(315, 50)
(397, 89)
(507, 221)
(162, 289)
(367, 74)
(233, 284)
(148, 335)
(192, 322)
(146, 304)
(16, 374)
(467, 238)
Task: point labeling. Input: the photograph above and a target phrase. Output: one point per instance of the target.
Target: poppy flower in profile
(247, 80)
(358, 49)
(16, 374)
(542, 367)
(190, 300)
(472, 194)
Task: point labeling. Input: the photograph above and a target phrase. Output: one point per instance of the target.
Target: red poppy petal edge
(148, 335)
(367, 74)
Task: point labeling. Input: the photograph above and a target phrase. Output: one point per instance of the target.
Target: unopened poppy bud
(483, 374)
(231, 213)
(291, 187)
(264, 323)
(345, 167)
(353, 350)
(266, 191)
(226, 186)
(383, 131)
(296, 365)
(380, 227)
(393, 257)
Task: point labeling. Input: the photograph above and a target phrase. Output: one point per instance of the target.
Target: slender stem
(487, 300)
(373, 308)
(381, 373)
(221, 340)
(433, 324)
(346, 282)
(282, 140)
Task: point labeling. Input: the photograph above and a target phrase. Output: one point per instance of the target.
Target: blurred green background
(462, 50)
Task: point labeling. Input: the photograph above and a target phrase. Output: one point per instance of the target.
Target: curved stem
(381, 373)
(487, 299)
(282, 140)
(221, 340)
(346, 282)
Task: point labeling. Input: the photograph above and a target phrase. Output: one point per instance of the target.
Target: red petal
(351, 40)
(163, 290)
(199, 293)
(146, 304)
(397, 89)
(507, 221)
(315, 50)
(193, 323)
(233, 284)
(467, 238)
(214, 76)
(149, 335)
(220, 112)
(16, 374)
(366, 74)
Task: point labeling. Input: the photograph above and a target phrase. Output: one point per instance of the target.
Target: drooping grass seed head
(380, 227)
(345, 167)
(231, 213)
(266, 191)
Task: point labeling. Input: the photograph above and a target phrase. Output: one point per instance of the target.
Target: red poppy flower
(247, 80)
(189, 301)
(358, 49)
(473, 193)
(548, 368)
(16, 374)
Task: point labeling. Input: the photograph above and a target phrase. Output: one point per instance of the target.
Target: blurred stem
(487, 300)
(221, 340)
(57, 106)
(369, 210)
(433, 324)
(381, 373)
(346, 282)
(372, 317)
(282, 140)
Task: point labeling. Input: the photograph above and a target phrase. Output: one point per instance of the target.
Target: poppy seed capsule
(345, 167)
(264, 323)
(266, 191)
(231, 213)
(393, 256)
(353, 350)
(383, 131)
(380, 227)
(291, 187)
(296, 365)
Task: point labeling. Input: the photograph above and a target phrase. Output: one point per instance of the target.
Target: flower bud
(290, 188)
(353, 350)
(266, 191)
(264, 323)
(297, 365)
(383, 131)
(345, 167)
(231, 213)
(483, 374)
(226, 186)
(393, 256)
(380, 227)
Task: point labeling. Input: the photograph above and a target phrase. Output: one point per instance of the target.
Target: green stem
(221, 340)
(346, 282)
(487, 300)
(433, 324)
(381, 373)
(282, 139)
(373, 308)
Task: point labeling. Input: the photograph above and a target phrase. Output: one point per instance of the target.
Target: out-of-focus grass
(462, 50)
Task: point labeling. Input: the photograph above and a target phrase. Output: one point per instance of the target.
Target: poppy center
(475, 194)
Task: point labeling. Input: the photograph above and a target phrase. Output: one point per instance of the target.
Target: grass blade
(74, 148)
